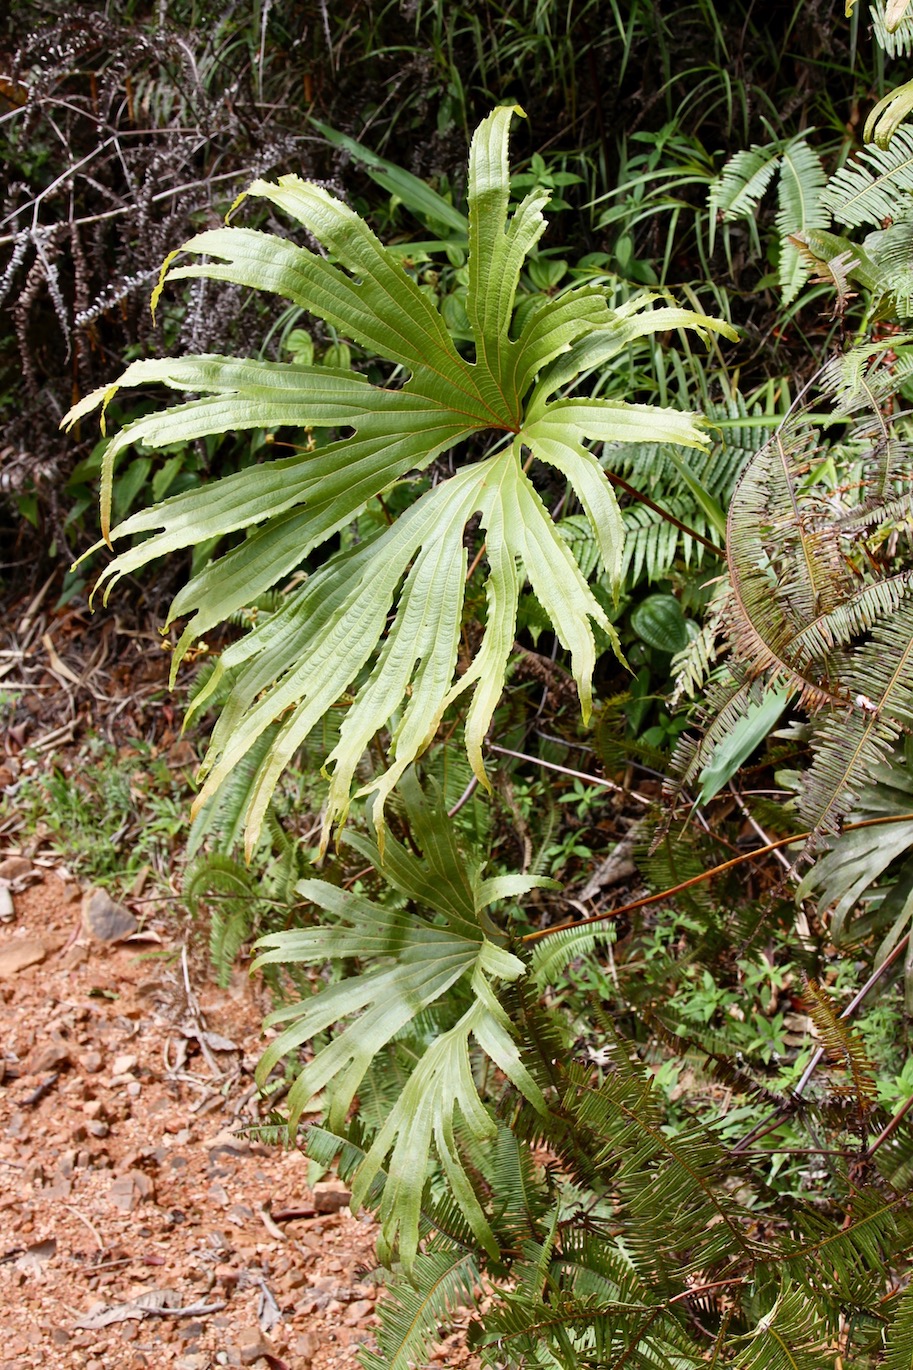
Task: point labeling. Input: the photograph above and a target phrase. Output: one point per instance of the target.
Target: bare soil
(122, 1173)
(139, 1226)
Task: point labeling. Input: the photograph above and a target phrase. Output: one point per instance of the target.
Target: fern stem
(664, 513)
(693, 1290)
(892, 1126)
(708, 874)
(576, 775)
(773, 1120)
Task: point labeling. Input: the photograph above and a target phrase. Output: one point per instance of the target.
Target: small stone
(7, 912)
(128, 1190)
(105, 920)
(123, 1065)
(134, 1089)
(357, 1312)
(191, 1332)
(252, 1344)
(91, 1062)
(197, 1360)
(330, 1196)
(53, 1056)
(67, 1165)
(225, 1143)
(15, 867)
(97, 1128)
(18, 952)
(74, 956)
(306, 1347)
(59, 1336)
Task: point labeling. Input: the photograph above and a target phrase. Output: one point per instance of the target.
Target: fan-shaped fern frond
(336, 631)
(886, 117)
(412, 961)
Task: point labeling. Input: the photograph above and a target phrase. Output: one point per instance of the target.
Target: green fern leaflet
(333, 634)
(413, 960)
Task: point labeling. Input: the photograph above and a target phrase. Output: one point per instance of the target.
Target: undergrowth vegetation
(565, 571)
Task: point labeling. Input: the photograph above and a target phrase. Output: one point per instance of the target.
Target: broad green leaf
(379, 623)
(412, 960)
(415, 194)
(659, 622)
(749, 733)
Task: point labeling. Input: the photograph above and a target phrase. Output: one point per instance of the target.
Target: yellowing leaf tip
(157, 292)
(234, 205)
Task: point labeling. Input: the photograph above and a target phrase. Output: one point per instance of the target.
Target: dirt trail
(121, 1177)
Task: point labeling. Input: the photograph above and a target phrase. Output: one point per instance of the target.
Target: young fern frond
(843, 1047)
(225, 887)
(739, 189)
(799, 208)
(741, 185)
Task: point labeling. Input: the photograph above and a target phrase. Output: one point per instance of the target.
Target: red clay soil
(137, 1227)
(122, 1176)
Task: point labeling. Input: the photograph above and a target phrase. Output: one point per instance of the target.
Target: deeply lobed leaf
(336, 634)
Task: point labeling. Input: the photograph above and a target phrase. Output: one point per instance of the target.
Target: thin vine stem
(704, 875)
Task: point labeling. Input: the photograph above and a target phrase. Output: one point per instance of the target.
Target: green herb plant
(515, 392)
(639, 1243)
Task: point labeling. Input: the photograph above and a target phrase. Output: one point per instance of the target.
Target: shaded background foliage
(123, 128)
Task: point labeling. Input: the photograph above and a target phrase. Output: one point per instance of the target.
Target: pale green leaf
(380, 623)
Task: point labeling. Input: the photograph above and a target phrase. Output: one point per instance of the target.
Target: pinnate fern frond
(738, 191)
(899, 1338)
(852, 877)
(335, 632)
(843, 1046)
(805, 614)
(799, 208)
(740, 187)
(788, 1336)
(892, 27)
(413, 1309)
(875, 186)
